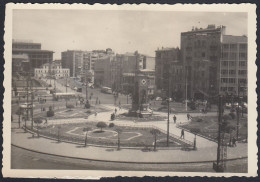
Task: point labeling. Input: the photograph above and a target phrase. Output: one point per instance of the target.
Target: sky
(123, 31)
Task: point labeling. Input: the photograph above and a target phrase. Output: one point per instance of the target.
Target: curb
(101, 146)
(127, 162)
(202, 136)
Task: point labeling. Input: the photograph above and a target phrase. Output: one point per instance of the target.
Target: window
(233, 46)
(232, 63)
(231, 80)
(230, 89)
(224, 55)
(224, 71)
(232, 56)
(242, 55)
(242, 72)
(224, 63)
(232, 72)
(242, 63)
(242, 46)
(225, 47)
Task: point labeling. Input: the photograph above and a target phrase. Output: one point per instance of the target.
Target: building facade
(37, 56)
(201, 53)
(53, 70)
(168, 71)
(233, 65)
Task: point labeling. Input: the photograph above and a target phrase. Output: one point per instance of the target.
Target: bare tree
(155, 133)
(87, 129)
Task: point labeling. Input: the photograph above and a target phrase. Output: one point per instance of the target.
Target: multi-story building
(233, 65)
(168, 71)
(20, 64)
(72, 59)
(201, 53)
(211, 63)
(52, 70)
(37, 56)
(102, 71)
(82, 63)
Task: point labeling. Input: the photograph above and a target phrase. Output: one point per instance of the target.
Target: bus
(58, 96)
(106, 90)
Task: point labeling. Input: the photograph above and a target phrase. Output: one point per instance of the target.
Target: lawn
(129, 137)
(208, 126)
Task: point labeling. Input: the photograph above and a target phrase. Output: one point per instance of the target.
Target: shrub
(87, 105)
(199, 120)
(232, 115)
(111, 125)
(50, 113)
(70, 106)
(195, 130)
(226, 117)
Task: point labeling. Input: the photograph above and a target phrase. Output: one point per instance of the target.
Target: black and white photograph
(130, 89)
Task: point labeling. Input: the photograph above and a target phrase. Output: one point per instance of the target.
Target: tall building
(37, 57)
(72, 59)
(168, 71)
(201, 53)
(233, 65)
(82, 63)
(102, 71)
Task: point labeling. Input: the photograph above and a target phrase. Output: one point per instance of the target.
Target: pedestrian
(188, 116)
(46, 121)
(174, 119)
(234, 142)
(182, 133)
(95, 113)
(115, 110)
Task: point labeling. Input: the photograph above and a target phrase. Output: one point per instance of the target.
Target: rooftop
(31, 50)
(234, 39)
(20, 56)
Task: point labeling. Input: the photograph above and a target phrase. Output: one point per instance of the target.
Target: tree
(119, 131)
(86, 137)
(101, 125)
(70, 106)
(38, 121)
(155, 133)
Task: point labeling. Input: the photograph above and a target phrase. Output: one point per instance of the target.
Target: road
(23, 159)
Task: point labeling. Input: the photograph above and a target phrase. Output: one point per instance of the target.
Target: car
(26, 105)
(158, 99)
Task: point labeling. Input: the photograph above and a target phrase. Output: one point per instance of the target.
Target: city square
(140, 101)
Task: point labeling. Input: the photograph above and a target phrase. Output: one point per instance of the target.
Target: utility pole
(186, 92)
(31, 101)
(27, 100)
(217, 166)
(19, 121)
(168, 120)
(238, 104)
(66, 92)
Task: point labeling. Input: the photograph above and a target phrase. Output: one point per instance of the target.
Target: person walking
(174, 119)
(182, 133)
(188, 116)
(234, 142)
(115, 110)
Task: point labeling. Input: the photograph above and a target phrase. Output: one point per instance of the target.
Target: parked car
(158, 99)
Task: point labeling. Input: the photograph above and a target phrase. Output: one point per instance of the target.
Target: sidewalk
(25, 140)
(207, 150)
